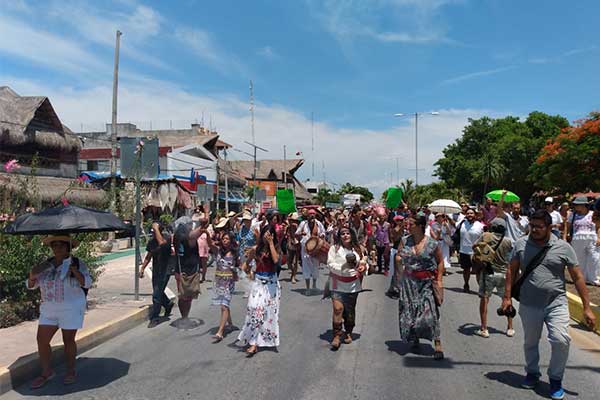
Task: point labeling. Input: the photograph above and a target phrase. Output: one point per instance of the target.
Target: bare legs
(225, 319)
(45, 334)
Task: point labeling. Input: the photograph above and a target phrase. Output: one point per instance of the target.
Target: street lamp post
(417, 140)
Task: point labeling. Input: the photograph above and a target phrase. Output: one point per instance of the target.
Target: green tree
(348, 188)
(326, 195)
(497, 153)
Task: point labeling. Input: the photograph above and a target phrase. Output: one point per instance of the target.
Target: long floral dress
(224, 280)
(418, 314)
(261, 326)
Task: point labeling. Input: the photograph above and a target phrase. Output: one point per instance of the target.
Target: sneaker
(556, 390)
(153, 323)
(483, 333)
(510, 332)
(530, 381)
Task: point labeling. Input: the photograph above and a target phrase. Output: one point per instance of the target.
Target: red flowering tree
(571, 160)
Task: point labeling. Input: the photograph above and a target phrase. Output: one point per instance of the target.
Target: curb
(27, 366)
(576, 310)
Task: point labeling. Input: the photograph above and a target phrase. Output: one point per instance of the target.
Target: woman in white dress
(584, 240)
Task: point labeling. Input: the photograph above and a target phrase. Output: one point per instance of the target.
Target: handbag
(189, 284)
(515, 291)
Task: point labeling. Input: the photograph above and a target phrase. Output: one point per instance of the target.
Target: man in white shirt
(470, 232)
(310, 264)
(556, 217)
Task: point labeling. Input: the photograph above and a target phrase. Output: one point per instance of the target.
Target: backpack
(75, 262)
(483, 252)
(456, 236)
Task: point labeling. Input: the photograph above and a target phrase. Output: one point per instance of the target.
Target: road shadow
(460, 290)
(404, 348)
(514, 380)
(92, 373)
(328, 336)
(187, 323)
(311, 293)
(469, 329)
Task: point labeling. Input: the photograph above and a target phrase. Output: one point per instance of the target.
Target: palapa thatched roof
(266, 169)
(28, 120)
(51, 189)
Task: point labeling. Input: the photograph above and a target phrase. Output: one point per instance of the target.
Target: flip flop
(250, 354)
(41, 380)
(69, 379)
(217, 338)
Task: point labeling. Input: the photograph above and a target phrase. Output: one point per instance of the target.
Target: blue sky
(353, 63)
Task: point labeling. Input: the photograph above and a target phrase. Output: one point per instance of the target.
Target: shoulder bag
(515, 291)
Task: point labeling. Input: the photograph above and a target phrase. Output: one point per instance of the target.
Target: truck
(351, 199)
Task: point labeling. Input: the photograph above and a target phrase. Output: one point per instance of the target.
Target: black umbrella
(66, 219)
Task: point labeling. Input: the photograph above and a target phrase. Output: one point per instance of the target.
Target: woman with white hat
(63, 282)
(583, 239)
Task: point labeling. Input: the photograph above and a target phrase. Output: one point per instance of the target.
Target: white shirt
(339, 268)
(556, 218)
(303, 228)
(469, 235)
(57, 287)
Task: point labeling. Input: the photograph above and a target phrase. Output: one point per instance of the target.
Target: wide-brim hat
(231, 214)
(294, 216)
(222, 222)
(581, 200)
(247, 216)
(60, 238)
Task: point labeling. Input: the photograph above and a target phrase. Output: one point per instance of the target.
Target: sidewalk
(111, 311)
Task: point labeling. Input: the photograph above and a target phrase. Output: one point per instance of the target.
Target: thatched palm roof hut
(29, 125)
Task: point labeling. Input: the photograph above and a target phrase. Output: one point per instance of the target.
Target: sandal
(41, 381)
(251, 353)
(69, 379)
(217, 338)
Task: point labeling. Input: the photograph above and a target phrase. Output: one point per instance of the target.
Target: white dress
(310, 264)
(584, 244)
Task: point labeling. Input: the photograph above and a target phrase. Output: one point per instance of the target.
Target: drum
(318, 248)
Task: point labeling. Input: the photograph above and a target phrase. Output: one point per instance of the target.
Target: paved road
(166, 362)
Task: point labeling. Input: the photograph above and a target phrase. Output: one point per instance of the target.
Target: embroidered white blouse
(59, 288)
(342, 276)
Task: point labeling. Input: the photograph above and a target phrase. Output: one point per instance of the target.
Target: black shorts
(465, 260)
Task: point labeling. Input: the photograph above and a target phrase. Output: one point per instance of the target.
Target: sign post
(139, 159)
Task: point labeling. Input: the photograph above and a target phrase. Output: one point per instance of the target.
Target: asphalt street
(168, 362)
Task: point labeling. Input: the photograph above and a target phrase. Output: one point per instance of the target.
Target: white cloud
(360, 156)
(44, 48)
(139, 25)
(204, 46)
(268, 53)
(478, 74)
(416, 20)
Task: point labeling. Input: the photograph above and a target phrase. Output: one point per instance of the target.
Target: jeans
(380, 257)
(159, 298)
(556, 318)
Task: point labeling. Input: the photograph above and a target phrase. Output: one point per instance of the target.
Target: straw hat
(247, 216)
(294, 216)
(60, 238)
(222, 222)
(231, 214)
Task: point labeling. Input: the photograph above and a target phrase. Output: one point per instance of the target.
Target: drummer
(308, 228)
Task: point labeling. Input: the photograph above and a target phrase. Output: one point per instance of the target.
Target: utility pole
(218, 173)
(397, 172)
(226, 183)
(312, 134)
(284, 168)
(416, 149)
(113, 133)
(254, 173)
